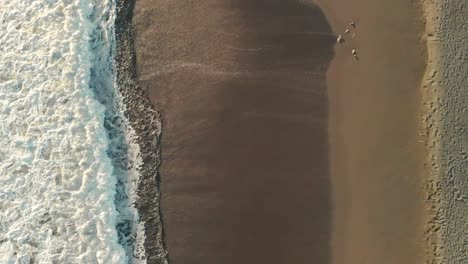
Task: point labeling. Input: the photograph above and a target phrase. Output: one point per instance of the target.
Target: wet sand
(377, 154)
(242, 89)
(250, 105)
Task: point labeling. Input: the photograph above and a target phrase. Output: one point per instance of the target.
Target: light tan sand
(377, 153)
(445, 121)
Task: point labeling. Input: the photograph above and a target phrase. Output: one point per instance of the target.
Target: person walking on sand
(339, 39)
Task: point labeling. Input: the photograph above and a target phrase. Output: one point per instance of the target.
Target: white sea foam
(57, 188)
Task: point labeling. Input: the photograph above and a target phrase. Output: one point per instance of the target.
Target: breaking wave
(67, 190)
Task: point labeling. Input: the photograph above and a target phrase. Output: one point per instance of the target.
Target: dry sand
(445, 122)
(376, 151)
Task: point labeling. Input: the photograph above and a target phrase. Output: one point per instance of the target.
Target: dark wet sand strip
(241, 85)
(146, 124)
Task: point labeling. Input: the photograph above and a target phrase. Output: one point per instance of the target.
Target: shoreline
(146, 130)
(444, 124)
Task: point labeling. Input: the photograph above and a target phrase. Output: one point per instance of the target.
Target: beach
(241, 87)
(234, 131)
(377, 154)
(280, 146)
(444, 122)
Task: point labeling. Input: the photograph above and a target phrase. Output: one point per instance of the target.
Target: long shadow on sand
(242, 87)
(274, 138)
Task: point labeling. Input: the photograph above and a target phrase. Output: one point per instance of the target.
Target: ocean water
(68, 168)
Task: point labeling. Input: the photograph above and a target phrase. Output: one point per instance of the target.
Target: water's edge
(147, 126)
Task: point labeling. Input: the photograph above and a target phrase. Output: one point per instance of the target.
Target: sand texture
(376, 152)
(242, 89)
(278, 148)
(445, 124)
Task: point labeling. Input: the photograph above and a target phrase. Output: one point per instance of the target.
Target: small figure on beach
(339, 39)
